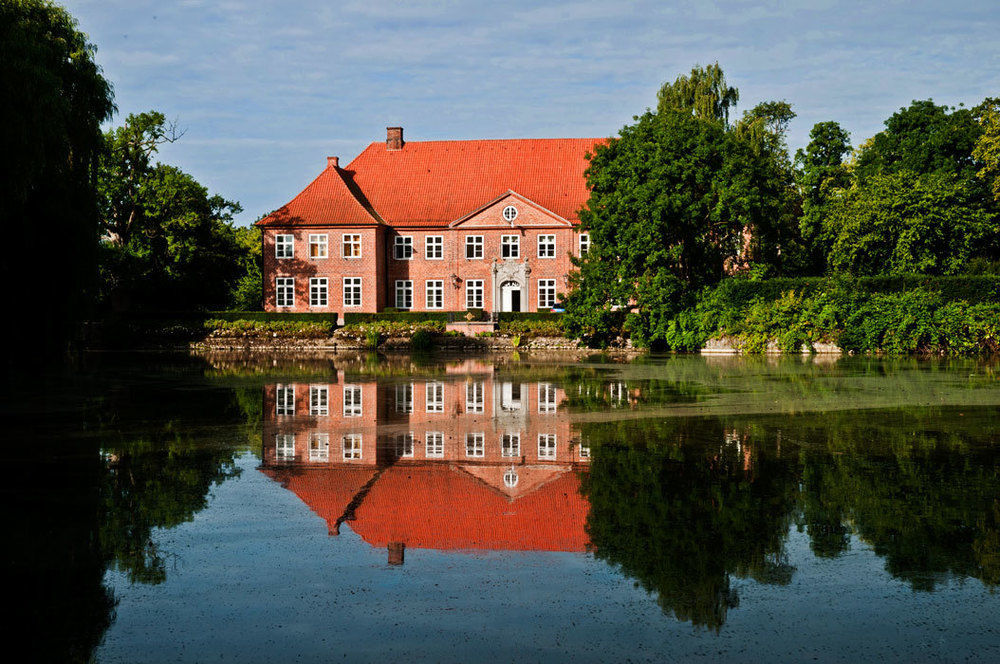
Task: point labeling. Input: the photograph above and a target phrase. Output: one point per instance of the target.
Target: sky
(265, 90)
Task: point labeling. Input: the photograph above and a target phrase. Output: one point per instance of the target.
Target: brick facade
(431, 196)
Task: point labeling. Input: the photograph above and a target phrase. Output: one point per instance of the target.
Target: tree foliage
(821, 174)
(167, 243)
(55, 100)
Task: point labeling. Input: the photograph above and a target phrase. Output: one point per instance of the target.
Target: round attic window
(510, 478)
(510, 213)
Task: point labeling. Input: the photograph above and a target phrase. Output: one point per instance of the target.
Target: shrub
(421, 340)
(529, 328)
(254, 328)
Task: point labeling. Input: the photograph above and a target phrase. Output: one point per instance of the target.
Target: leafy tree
(679, 199)
(922, 138)
(248, 293)
(821, 175)
(167, 243)
(906, 223)
(987, 150)
(56, 99)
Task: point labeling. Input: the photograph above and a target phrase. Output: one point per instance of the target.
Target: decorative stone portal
(510, 285)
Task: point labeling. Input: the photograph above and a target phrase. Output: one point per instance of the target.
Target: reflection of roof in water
(444, 506)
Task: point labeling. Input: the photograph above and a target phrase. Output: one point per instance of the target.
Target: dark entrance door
(515, 300)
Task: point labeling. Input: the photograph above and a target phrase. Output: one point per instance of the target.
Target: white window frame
(352, 446)
(284, 447)
(284, 400)
(434, 294)
(547, 398)
(475, 444)
(584, 244)
(510, 445)
(434, 247)
(434, 397)
(475, 396)
(319, 447)
(474, 294)
(319, 246)
(404, 288)
(350, 241)
(584, 451)
(434, 445)
(546, 246)
(319, 292)
(404, 444)
(476, 244)
(404, 398)
(284, 246)
(284, 299)
(352, 297)
(353, 401)
(402, 247)
(319, 400)
(546, 293)
(547, 447)
(510, 245)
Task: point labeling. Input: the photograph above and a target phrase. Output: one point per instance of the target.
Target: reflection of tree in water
(682, 506)
(925, 501)
(685, 510)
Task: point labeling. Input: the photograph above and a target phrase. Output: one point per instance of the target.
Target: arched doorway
(510, 296)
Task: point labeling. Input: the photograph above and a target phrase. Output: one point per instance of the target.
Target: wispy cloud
(267, 89)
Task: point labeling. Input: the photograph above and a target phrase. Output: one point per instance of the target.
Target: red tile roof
(329, 200)
(326, 491)
(433, 183)
(445, 508)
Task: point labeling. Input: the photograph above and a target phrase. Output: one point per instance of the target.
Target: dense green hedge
(529, 315)
(275, 316)
(353, 318)
(920, 320)
(741, 292)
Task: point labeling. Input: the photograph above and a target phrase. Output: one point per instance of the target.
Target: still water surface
(365, 508)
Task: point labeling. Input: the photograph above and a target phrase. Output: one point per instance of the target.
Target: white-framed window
(509, 213)
(510, 246)
(474, 294)
(352, 291)
(284, 291)
(474, 397)
(547, 446)
(546, 246)
(475, 444)
(434, 293)
(510, 397)
(434, 247)
(404, 398)
(547, 398)
(510, 478)
(473, 246)
(352, 401)
(284, 447)
(350, 244)
(584, 244)
(546, 293)
(584, 451)
(284, 400)
(319, 400)
(402, 247)
(352, 444)
(434, 445)
(404, 294)
(510, 445)
(318, 245)
(435, 397)
(404, 444)
(284, 246)
(319, 291)
(319, 447)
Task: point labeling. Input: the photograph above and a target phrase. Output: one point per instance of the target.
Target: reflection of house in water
(456, 462)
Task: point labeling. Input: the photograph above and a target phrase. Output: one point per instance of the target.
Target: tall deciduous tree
(679, 199)
(55, 99)
(987, 149)
(821, 175)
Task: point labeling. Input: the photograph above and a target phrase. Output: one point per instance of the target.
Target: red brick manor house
(431, 226)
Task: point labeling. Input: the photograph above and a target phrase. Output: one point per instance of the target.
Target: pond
(172, 508)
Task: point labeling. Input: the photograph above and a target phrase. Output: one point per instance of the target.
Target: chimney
(393, 138)
(333, 162)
